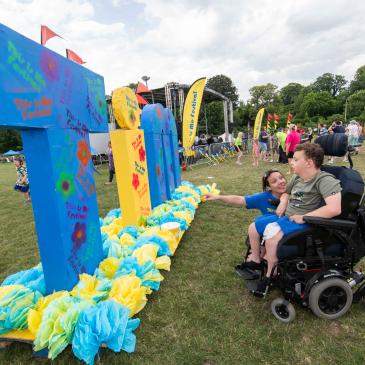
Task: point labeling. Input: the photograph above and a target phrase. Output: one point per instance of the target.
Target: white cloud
(182, 40)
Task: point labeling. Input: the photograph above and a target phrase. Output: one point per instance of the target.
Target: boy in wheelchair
(308, 189)
(309, 256)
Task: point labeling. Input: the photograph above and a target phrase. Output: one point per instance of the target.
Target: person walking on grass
(110, 163)
(263, 141)
(22, 183)
(291, 142)
(238, 147)
(255, 153)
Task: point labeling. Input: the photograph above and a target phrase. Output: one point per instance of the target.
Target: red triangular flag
(46, 34)
(141, 100)
(71, 55)
(141, 88)
(269, 117)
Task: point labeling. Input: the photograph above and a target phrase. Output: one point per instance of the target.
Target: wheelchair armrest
(329, 223)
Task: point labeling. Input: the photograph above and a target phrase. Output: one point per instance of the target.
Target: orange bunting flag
(288, 121)
(276, 120)
(268, 126)
(46, 34)
(71, 55)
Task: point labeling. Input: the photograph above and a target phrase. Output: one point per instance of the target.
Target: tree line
(330, 97)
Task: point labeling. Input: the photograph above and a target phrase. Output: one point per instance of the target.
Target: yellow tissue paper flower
(127, 290)
(184, 215)
(109, 266)
(165, 235)
(214, 190)
(191, 200)
(163, 263)
(186, 189)
(127, 239)
(146, 253)
(35, 315)
(4, 290)
(86, 288)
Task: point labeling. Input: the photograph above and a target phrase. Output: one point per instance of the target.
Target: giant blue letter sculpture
(55, 103)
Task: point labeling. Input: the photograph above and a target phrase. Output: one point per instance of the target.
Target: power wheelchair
(316, 267)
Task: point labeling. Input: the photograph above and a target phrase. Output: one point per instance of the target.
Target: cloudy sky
(252, 42)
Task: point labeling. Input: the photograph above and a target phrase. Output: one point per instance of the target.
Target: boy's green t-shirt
(308, 196)
(238, 141)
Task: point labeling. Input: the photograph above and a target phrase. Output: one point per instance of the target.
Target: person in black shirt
(337, 127)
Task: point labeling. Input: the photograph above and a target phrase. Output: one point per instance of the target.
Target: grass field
(202, 314)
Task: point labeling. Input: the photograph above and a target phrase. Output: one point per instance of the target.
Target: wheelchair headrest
(333, 144)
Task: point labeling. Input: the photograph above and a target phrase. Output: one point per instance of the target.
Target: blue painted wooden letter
(55, 103)
(173, 145)
(151, 122)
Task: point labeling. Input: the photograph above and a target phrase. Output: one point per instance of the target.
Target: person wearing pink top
(292, 139)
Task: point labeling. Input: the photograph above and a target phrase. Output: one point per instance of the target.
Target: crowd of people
(279, 145)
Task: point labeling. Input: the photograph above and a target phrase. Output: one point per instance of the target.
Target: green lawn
(202, 314)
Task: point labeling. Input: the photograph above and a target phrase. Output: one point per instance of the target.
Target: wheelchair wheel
(283, 310)
(330, 298)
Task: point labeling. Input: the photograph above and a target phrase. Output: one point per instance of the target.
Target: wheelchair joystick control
(357, 277)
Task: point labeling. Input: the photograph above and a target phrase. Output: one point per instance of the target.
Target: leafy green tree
(132, 85)
(358, 83)
(215, 117)
(356, 103)
(331, 83)
(263, 95)
(10, 140)
(225, 86)
(299, 100)
(290, 92)
(317, 103)
(243, 115)
(332, 118)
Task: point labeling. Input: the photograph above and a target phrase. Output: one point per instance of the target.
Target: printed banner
(258, 120)
(191, 112)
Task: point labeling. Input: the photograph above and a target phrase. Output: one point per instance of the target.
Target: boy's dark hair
(312, 152)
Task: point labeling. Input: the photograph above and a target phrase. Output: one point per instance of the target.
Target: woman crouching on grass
(273, 186)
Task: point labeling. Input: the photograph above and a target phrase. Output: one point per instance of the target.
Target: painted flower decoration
(49, 66)
(79, 234)
(158, 170)
(159, 113)
(65, 184)
(83, 152)
(142, 154)
(135, 181)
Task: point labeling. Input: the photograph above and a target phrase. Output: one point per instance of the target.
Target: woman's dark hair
(265, 178)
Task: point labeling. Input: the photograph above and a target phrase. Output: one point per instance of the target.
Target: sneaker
(262, 287)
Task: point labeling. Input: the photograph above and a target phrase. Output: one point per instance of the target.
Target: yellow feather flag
(191, 113)
(257, 126)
